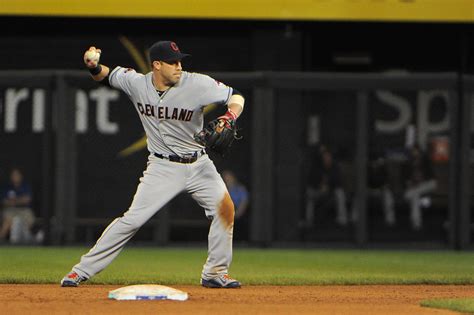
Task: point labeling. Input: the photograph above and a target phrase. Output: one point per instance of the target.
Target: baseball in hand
(91, 57)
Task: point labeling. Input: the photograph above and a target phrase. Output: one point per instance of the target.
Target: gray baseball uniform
(170, 121)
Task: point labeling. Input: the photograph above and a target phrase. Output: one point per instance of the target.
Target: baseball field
(275, 281)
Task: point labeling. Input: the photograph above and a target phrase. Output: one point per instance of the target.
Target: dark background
(106, 183)
(226, 45)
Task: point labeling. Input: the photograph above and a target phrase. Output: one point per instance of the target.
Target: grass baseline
(182, 266)
(464, 305)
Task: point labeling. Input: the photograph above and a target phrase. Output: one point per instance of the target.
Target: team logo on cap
(174, 46)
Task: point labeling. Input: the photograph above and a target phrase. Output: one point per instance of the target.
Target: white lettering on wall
(313, 130)
(399, 104)
(103, 97)
(38, 110)
(13, 97)
(425, 125)
(424, 105)
(81, 111)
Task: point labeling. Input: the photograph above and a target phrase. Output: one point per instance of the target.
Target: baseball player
(170, 103)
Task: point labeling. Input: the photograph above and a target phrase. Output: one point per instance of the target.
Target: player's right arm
(118, 77)
(97, 70)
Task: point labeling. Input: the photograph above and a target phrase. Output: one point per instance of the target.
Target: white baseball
(91, 57)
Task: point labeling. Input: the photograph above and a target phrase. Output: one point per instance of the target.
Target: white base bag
(148, 292)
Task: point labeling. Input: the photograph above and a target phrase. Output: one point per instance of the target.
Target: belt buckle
(189, 156)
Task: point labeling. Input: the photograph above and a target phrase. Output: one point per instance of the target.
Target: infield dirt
(370, 299)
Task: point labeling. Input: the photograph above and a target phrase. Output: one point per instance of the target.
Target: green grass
(169, 266)
(460, 305)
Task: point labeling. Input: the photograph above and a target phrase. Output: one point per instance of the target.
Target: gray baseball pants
(161, 182)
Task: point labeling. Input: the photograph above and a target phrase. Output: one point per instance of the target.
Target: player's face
(171, 71)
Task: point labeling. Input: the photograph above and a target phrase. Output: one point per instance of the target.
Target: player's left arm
(235, 106)
(219, 134)
(216, 92)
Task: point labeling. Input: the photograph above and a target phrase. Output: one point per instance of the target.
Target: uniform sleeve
(123, 78)
(215, 92)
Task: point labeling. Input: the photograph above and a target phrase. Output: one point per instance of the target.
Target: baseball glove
(218, 135)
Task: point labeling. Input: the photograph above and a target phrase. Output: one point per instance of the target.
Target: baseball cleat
(72, 279)
(224, 282)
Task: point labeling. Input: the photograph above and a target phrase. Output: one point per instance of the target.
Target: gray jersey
(171, 120)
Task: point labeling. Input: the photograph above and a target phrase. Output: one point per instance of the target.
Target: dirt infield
(92, 299)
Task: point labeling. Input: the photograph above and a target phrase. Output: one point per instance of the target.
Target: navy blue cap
(166, 51)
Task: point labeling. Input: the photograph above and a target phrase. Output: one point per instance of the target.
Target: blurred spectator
(240, 196)
(420, 182)
(238, 193)
(379, 188)
(17, 216)
(325, 187)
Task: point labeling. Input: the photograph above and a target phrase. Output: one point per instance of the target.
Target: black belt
(176, 158)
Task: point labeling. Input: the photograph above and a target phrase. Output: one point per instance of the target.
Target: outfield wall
(81, 147)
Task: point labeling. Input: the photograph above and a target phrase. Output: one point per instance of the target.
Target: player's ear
(156, 65)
